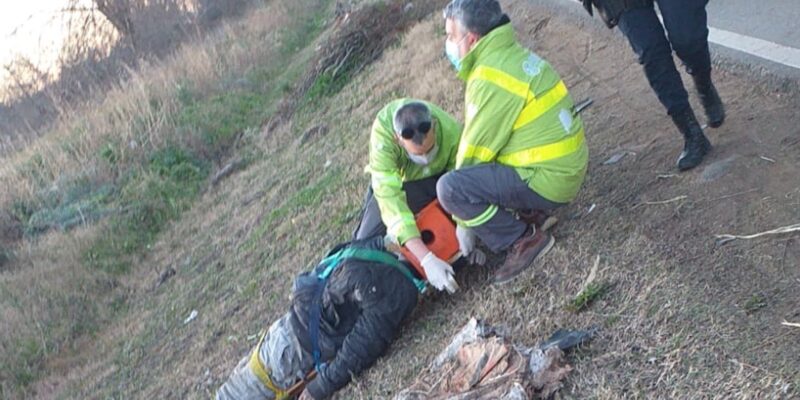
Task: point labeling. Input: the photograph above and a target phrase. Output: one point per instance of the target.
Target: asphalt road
(777, 21)
(760, 36)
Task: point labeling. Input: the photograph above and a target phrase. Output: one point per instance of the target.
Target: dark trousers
(468, 192)
(687, 29)
(418, 195)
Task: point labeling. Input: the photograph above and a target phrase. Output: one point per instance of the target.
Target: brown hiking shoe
(533, 243)
(540, 219)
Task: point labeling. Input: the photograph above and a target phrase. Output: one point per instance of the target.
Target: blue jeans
(687, 28)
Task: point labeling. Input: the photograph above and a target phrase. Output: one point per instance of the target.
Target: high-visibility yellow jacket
(518, 113)
(390, 166)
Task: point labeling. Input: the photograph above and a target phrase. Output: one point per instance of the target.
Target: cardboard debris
(482, 363)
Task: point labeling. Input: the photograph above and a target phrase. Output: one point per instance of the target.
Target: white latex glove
(440, 274)
(466, 240)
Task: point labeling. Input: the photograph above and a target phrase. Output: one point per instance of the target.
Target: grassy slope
(675, 324)
(134, 161)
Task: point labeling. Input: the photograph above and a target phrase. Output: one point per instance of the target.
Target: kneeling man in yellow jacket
(412, 144)
(522, 147)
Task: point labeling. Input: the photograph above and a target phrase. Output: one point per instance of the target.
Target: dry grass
(48, 295)
(671, 326)
(127, 114)
(666, 332)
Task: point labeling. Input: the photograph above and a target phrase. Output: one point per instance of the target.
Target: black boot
(696, 145)
(715, 110)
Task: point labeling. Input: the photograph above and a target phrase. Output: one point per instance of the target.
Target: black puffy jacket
(363, 305)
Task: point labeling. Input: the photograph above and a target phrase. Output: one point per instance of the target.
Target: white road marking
(765, 49)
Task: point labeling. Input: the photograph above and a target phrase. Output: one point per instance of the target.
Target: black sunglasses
(423, 128)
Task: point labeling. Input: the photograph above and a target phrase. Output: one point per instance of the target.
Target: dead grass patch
(360, 38)
(671, 328)
(146, 140)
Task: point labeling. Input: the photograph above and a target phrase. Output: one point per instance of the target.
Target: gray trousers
(281, 354)
(468, 192)
(418, 195)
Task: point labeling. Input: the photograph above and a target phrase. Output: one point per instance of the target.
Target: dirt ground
(685, 317)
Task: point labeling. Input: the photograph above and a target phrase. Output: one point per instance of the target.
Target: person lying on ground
(522, 147)
(412, 143)
(343, 316)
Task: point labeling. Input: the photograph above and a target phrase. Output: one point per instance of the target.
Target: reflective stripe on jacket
(390, 166)
(518, 112)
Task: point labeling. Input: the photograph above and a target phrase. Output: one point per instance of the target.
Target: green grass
(5, 256)
(218, 119)
(34, 170)
(151, 198)
(137, 189)
(332, 82)
(755, 303)
(309, 27)
(29, 355)
(611, 321)
(587, 296)
(146, 197)
(174, 176)
(63, 205)
(309, 196)
(110, 153)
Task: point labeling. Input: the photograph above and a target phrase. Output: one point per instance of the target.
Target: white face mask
(451, 50)
(424, 159)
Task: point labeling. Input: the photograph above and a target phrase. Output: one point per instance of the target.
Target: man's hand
(305, 396)
(440, 274)
(466, 240)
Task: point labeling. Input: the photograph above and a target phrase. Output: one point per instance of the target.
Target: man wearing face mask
(522, 148)
(412, 144)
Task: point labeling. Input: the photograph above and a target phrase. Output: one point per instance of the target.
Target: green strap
(369, 255)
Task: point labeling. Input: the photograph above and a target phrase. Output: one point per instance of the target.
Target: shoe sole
(542, 253)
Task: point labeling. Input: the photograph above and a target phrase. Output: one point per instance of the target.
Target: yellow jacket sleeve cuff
(406, 233)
